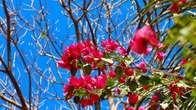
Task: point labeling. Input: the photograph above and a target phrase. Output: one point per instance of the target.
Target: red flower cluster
(109, 45)
(89, 101)
(85, 52)
(183, 61)
(112, 46)
(142, 66)
(142, 38)
(155, 98)
(133, 98)
(175, 7)
(127, 73)
(175, 90)
(87, 83)
(160, 55)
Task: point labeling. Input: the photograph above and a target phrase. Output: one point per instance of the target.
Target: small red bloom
(129, 72)
(68, 91)
(183, 1)
(183, 61)
(97, 54)
(85, 102)
(175, 8)
(117, 90)
(130, 108)
(94, 98)
(122, 51)
(141, 108)
(88, 59)
(66, 88)
(155, 98)
(142, 38)
(101, 81)
(145, 87)
(122, 79)
(75, 82)
(109, 45)
(142, 66)
(112, 74)
(133, 98)
(160, 55)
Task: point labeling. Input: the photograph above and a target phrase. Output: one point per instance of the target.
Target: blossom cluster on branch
(115, 74)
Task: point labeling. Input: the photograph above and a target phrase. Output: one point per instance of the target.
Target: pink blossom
(142, 38)
(122, 79)
(129, 72)
(145, 87)
(109, 45)
(133, 98)
(155, 98)
(141, 108)
(160, 55)
(130, 108)
(117, 90)
(122, 51)
(88, 59)
(112, 74)
(142, 66)
(183, 61)
(175, 8)
(101, 81)
(75, 82)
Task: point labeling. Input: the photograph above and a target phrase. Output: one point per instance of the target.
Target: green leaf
(87, 69)
(156, 80)
(132, 85)
(193, 93)
(110, 82)
(42, 35)
(119, 71)
(144, 80)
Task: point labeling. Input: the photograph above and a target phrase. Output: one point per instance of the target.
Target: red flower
(66, 89)
(175, 8)
(145, 87)
(101, 81)
(75, 82)
(139, 45)
(142, 66)
(85, 102)
(117, 90)
(130, 108)
(112, 74)
(122, 79)
(94, 98)
(109, 45)
(97, 53)
(141, 108)
(89, 83)
(183, 61)
(88, 59)
(122, 51)
(133, 98)
(183, 1)
(129, 72)
(155, 98)
(160, 55)
(142, 38)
